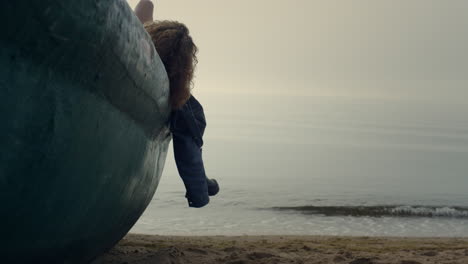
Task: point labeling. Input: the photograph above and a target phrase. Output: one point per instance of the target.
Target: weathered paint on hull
(83, 128)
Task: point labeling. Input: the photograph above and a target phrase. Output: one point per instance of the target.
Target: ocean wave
(381, 211)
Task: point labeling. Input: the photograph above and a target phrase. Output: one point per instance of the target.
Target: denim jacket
(187, 126)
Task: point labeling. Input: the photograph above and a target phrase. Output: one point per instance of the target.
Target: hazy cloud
(394, 48)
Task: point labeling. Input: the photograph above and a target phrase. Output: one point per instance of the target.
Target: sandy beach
(143, 249)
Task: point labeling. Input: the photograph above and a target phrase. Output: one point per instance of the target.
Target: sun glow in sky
(399, 49)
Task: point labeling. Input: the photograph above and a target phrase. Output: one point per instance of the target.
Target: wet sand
(145, 249)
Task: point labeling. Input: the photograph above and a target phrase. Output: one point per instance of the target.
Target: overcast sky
(359, 48)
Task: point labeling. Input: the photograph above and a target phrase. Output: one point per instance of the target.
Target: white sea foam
(431, 211)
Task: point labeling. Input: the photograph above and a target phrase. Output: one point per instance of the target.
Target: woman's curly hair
(178, 54)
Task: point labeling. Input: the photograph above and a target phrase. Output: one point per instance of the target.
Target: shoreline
(145, 249)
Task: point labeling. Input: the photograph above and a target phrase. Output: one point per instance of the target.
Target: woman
(187, 122)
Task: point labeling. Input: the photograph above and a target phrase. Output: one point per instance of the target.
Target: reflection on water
(299, 151)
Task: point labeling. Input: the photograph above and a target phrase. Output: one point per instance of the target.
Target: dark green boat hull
(83, 128)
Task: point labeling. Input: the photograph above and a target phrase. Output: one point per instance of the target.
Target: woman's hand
(144, 11)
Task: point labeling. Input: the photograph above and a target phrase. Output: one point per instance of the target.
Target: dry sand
(135, 249)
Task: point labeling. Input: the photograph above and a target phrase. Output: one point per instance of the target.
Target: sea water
(303, 165)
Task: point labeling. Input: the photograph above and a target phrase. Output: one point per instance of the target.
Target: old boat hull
(83, 128)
